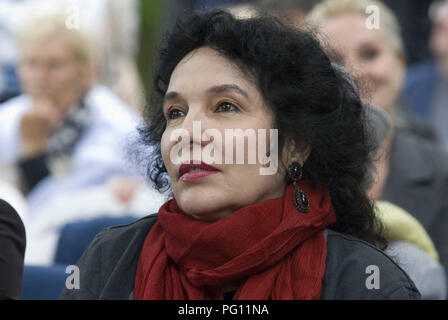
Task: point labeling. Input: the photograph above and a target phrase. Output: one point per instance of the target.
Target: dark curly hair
(313, 102)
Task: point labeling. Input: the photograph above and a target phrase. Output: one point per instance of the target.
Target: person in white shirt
(64, 133)
(114, 24)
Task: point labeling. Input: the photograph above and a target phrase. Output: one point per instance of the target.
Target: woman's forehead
(205, 67)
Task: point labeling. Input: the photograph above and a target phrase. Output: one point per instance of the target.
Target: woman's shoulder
(123, 232)
(117, 241)
(356, 270)
(107, 267)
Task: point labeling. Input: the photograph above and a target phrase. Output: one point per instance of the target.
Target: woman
(229, 231)
(412, 172)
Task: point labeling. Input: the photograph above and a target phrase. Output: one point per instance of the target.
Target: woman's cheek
(165, 148)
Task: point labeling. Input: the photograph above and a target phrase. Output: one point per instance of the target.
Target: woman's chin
(202, 207)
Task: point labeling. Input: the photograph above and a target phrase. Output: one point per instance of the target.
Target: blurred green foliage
(152, 14)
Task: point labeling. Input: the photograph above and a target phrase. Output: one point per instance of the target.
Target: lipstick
(190, 171)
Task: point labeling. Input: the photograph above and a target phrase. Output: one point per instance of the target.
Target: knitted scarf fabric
(270, 250)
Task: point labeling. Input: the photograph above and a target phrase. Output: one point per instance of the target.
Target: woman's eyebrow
(170, 95)
(215, 89)
(228, 87)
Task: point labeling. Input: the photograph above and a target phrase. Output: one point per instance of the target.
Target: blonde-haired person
(113, 24)
(375, 31)
(411, 172)
(242, 11)
(64, 132)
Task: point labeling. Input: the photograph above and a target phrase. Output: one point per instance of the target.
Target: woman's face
(368, 56)
(207, 89)
(439, 34)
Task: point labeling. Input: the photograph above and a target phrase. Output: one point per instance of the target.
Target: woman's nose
(195, 123)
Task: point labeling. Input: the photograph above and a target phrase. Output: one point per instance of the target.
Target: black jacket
(418, 183)
(107, 268)
(12, 250)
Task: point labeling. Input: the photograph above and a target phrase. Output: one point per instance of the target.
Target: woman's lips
(201, 170)
(192, 176)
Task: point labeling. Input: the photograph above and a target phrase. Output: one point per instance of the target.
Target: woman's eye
(173, 114)
(226, 107)
(369, 54)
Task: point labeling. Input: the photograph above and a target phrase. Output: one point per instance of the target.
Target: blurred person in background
(10, 17)
(413, 250)
(409, 243)
(411, 172)
(178, 8)
(426, 88)
(12, 251)
(415, 27)
(114, 24)
(64, 132)
(293, 11)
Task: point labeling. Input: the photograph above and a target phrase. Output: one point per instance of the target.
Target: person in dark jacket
(425, 92)
(412, 172)
(265, 146)
(12, 250)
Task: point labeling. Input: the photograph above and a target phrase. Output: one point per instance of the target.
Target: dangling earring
(300, 199)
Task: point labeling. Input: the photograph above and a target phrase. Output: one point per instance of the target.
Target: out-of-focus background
(74, 76)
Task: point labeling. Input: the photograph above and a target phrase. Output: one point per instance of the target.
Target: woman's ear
(294, 151)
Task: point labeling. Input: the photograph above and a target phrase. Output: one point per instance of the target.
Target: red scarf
(272, 250)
